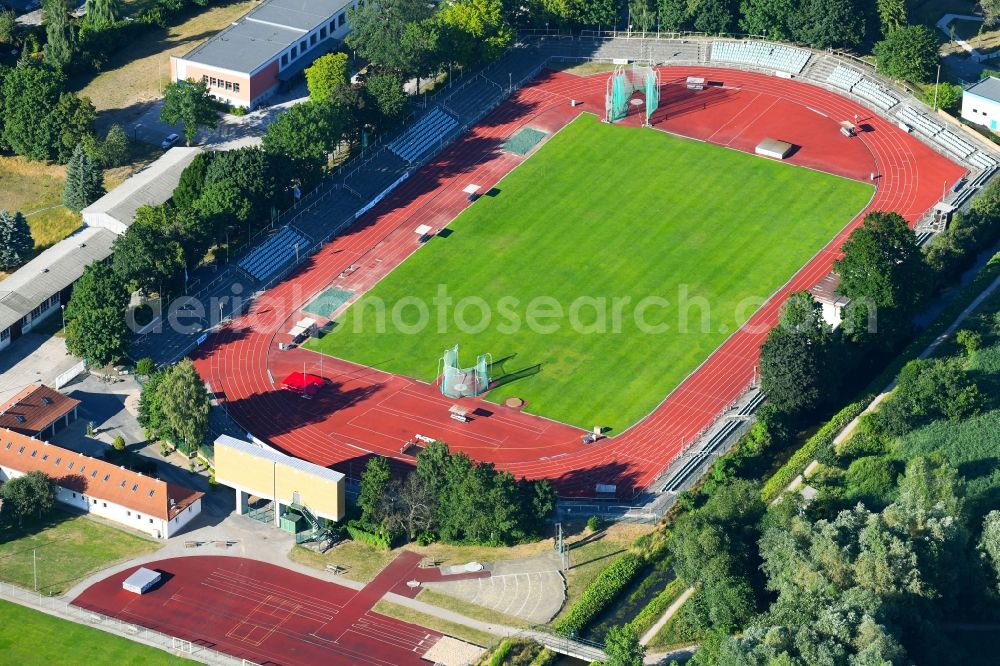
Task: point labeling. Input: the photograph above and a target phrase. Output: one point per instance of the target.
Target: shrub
(145, 367)
(820, 443)
(605, 588)
(971, 340)
(381, 539)
(870, 479)
(594, 523)
(119, 443)
(657, 606)
(500, 655)
(426, 538)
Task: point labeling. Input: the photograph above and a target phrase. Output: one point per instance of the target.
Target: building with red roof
(38, 410)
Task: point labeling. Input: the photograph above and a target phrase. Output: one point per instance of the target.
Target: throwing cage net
(459, 382)
(627, 80)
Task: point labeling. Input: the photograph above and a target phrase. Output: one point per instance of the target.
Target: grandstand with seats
(425, 134)
(854, 81)
(766, 55)
(277, 251)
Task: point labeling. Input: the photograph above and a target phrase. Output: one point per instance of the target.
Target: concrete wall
(258, 476)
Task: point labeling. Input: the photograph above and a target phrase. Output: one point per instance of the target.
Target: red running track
(267, 614)
(368, 411)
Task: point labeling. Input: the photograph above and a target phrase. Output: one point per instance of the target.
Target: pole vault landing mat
(327, 302)
(262, 613)
(522, 142)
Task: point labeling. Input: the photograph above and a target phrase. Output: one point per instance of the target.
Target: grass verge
(456, 630)
(30, 637)
(362, 563)
(66, 550)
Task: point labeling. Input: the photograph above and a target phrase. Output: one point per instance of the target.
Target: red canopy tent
(300, 382)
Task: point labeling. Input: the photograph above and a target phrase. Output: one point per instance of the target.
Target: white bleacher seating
(983, 161)
(919, 122)
(766, 55)
(955, 144)
(274, 253)
(424, 135)
(874, 93)
(844, 77)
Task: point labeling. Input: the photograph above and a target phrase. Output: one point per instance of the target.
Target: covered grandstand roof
(50, 272)
(151, 186)
(267, 453)
(988, 88)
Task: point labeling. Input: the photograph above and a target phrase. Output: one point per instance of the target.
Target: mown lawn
(601, 272)
(66, 550)
(30, 637)
(135, 76)
(36, 190)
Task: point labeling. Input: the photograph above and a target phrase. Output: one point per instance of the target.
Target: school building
(267, 48)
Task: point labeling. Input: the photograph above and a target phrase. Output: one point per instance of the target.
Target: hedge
(657, 606)
(501, 654)
(815, 446)
(366, 537)
(605, 588)
(544, 658)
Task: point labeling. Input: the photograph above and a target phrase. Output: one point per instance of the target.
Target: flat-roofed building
(151, 186)
(37, 290)
(248, 61)
(96, 486)
(38, 410)
(255, 470)
(981, 103)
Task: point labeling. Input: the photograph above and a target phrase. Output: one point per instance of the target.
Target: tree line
(888, 278)
(450, 497)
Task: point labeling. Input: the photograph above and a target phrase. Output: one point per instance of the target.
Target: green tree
(989, 544)
(599, 12)
(304, 135)
(145, 367)
(474, 30)
(768, 18)
(8, 26)
(60, 40)
(883, 273)
(908, 54)
(84, 181)
(326, 75)
(40, 120)
(827, 23)
(192, 180)
(115, 149)
(150, 414)
(623, 648)
(891, 14)
(374, 484)
(947, 96)
(251, 171)
(16, 244)
(928, 389)
(378, 31)
(795, 359)
(971, 340)
(673, 14)
(33, 494)
(184, 404)
(145, 258)
(189, 103)
(95, 316)
(386, 91)
(103, 13)
(715, 16)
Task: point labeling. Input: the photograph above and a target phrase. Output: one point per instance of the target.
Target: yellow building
(260, 475)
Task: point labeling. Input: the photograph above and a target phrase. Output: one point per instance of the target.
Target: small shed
(141, 580)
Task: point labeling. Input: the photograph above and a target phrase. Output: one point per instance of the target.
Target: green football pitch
(652, 248)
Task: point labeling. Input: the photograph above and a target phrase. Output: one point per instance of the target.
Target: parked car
(169, 141)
